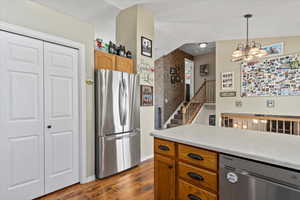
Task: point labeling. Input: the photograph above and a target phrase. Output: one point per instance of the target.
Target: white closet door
(21, 117)
(61, 117)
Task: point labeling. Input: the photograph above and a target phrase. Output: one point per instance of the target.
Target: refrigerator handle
(125, 102)
(121, 99)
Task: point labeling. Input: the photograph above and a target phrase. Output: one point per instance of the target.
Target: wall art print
(146, 73)
(146, 95)
(227, 80)
(274, 49)
(278, 76)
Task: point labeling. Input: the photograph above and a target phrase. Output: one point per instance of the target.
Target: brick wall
(169, 96)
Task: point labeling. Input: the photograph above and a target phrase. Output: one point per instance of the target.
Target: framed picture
(227, 80)
(173, 79)
(146, 46)
(173, 70)
(274, 49)
(146, 95)
(204, 70)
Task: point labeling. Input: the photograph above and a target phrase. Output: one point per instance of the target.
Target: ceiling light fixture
(203, 45)
(250, 51)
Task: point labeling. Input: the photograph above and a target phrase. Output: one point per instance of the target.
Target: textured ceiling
(189, 21)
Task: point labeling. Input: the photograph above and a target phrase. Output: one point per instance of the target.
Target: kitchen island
(187, 158)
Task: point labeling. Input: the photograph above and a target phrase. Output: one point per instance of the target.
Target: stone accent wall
(169, 96)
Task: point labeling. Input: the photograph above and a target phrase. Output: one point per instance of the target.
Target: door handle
(49, 126)
(195, 176)
(193, 197)
(195, 156)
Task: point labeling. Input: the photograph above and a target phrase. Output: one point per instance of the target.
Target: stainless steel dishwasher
(242, 179)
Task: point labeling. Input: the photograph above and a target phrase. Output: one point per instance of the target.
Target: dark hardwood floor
(135, 184)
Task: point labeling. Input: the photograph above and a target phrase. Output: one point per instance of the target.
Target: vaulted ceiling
(188, 21)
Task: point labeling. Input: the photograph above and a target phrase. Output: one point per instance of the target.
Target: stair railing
(205, 94)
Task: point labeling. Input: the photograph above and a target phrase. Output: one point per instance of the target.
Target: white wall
(132, 23)
(284, 105)
(36, 17)
(210, 59)
(203, 115)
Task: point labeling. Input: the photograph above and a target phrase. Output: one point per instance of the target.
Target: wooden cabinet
(164, 147)
(164, 177)
(124, 64)
(199, 157)
(183, 172)
(113, 62)
(104, 60)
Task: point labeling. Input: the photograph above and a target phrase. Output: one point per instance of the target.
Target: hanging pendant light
(250, 51)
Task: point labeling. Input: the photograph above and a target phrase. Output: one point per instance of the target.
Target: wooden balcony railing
(206, 94)
(266, 123)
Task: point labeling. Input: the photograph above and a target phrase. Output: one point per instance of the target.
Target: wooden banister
(205, 94)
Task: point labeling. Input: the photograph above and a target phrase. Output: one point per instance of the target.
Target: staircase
(187, 113)
(177, 119)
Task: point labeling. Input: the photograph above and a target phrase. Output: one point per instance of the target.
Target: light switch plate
(270, 103)
(238, 104)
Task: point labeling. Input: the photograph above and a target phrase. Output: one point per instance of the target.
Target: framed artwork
(227, 80)
(278, 76)
(173, 70)
(146, 95)
(146, 46)
(204, 70)
(274, 49)
(173, 79)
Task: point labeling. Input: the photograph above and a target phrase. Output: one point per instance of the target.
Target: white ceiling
(195, 50)
(179, 22)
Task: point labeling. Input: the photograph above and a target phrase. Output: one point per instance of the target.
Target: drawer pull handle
(193, 197)
(195, 176)
(163, 148)
(195, 156)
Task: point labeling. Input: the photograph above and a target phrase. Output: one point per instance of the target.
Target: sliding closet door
(61, 117)
(21, 117)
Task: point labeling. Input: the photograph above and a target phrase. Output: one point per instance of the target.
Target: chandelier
(250, 51)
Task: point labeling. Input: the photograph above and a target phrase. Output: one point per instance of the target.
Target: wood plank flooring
(135, 184)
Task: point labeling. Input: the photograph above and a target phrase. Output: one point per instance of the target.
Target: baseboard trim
(147, 158)
(88, 179)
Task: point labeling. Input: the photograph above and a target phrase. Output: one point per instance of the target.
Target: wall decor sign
(278, 76)
(146, 46)
(274, 49)
(146, 95)
(228, 94)
(146, 72)
(204, 70)
(227, 80)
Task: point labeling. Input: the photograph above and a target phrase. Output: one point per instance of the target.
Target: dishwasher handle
(275, 182)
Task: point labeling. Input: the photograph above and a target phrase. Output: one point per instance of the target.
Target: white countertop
(277, 149)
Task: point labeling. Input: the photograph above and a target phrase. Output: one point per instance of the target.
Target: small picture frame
(146, 95)
(173, 79)
(227, 80)
(146, 47)
(173, 70)
(274, 49)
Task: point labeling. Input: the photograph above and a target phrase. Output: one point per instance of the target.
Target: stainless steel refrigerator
(117, 122)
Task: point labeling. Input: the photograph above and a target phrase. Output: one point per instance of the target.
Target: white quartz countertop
(277, 149)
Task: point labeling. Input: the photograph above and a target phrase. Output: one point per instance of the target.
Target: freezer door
(110, 103)
(132, 105)
(117, 153)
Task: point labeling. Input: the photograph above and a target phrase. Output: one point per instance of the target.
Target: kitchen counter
(278, 149)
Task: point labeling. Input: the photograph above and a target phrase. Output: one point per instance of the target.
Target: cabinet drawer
(198, 177)
(164, 147)
(190, 192)
(199, 157)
